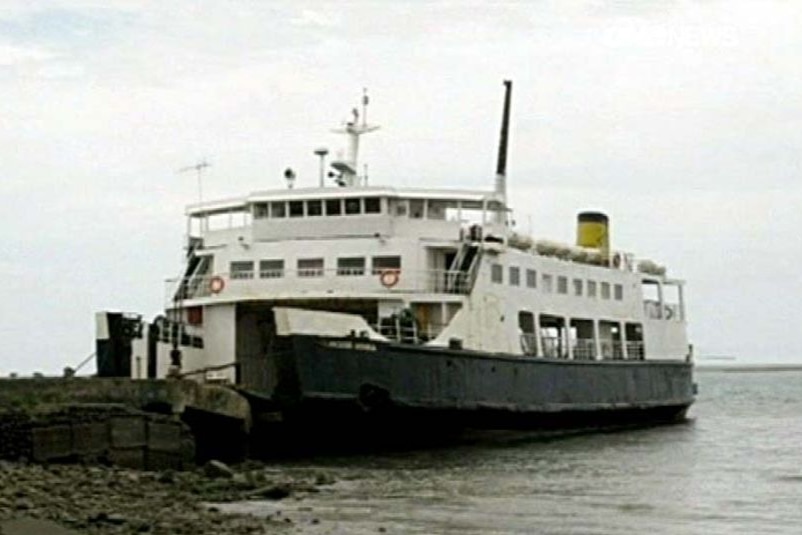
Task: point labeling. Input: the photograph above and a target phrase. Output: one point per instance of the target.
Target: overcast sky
(680, 119)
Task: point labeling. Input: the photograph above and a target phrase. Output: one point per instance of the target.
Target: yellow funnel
(593, 231)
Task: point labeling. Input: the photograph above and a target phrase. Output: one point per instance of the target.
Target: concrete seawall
(138, 424)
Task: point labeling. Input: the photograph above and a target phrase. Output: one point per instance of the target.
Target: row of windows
(312, 267)
(580, 287)
(317, 207)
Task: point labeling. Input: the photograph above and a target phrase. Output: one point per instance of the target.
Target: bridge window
(334, 207)
(381, 263)
(578, 287)
(436, 210)
(416, 208)
(591, 288)
(351, 266)
(497, 273)
(296, 208)
(241, 270)
(618, 292)
(562, 285)
(373, 205)
(314, 208)
(515, 276)
(260, 210)
(353, 206)
(531, 278)
(310, 267)
(605, 290)
(271, 269)
(278, 209)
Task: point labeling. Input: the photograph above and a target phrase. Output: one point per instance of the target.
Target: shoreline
(103, 500)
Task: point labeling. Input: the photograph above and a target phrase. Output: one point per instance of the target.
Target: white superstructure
(421, 266)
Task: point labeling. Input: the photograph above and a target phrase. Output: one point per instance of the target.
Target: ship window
(333, 207)
(271, 269)
(373, 205)
(278, 209)
(547, 283)
(497, 273)
(562, 285)
(416, 208)
(618, 292)
(381, 263)
(401, 208)
(296, 208)
(578, 287)
(310, 267)
(314, 208)
(241, 270)
(351, 266)
(605, 290)
(531, 278)
(591, 288)
(260, 210)
(353, 206)
(436, 210)
(515, 276)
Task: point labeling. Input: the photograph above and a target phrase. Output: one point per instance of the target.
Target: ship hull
(318, 383)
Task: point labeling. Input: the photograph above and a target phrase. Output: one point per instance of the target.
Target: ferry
(350, 302)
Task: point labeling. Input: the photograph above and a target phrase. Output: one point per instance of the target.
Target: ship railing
(553, 347)
(529, 344)
(611, 349)
(397, 330)
(584, 349)
(351, 279)
(635, 351)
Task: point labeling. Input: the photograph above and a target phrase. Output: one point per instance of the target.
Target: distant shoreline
(748, 368)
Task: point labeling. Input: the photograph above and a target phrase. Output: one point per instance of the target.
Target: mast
(501, 166)
(353, 129)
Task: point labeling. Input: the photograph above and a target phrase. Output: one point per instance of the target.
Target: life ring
(216, 284)
(389, 277)
(617, 260)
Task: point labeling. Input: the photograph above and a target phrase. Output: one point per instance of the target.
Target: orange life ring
(389, 277)
(216, 284)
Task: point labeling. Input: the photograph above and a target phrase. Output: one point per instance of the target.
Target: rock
(217, 469)
(167, 477)
(278, 491)
(324, 479)
(23, 504)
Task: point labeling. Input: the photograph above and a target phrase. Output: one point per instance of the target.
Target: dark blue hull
(315, 381)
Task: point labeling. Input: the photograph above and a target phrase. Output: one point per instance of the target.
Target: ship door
(256, 340)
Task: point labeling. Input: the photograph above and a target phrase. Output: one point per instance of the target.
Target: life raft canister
(389, 277)
(216, 284)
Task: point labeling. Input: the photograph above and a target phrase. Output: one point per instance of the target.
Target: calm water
(735, 468)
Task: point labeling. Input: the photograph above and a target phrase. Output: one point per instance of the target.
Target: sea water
(734, 467)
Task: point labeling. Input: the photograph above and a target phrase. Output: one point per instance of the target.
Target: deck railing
(356, 280)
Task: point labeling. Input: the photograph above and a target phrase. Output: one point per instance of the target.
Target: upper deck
(321, 213)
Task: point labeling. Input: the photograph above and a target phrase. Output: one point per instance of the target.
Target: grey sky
(678, 118)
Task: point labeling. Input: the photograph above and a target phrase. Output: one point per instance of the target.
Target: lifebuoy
(389, 277)
(216, 284)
